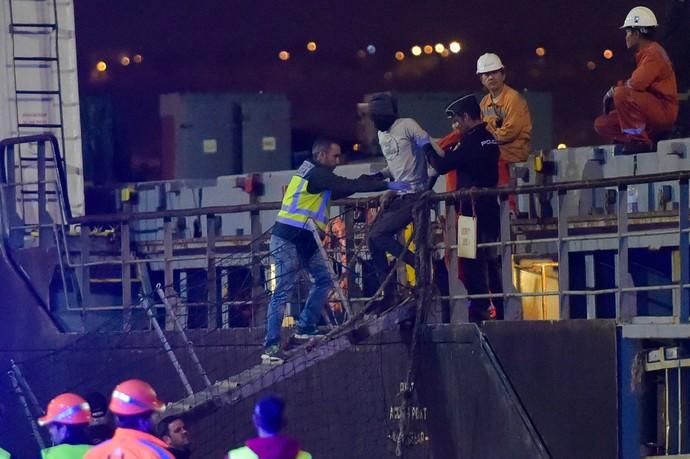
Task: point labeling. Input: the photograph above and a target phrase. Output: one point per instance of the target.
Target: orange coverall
(130, 444)
(645, 105)
(507, 117)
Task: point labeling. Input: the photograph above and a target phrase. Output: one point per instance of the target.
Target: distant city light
(541, 52)
(454, 47)
(439, 48)
(356, 147)
(428, 49)
(445, 53)
(416, 50)
(311, 46)
(138, 58)
(361, 53)
(399, 55)
(125, 60)
(283, 55)
(591, 65)
(608, 54)
(101, 66)
(371, 49)
(562, 146)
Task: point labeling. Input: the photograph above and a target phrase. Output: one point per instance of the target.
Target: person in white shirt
(399, 139)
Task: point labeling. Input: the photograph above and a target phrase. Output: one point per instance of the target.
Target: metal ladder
(42, 57)
(36, 58)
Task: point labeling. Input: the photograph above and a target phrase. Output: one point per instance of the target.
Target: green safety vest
(299, 206)
(4, 454)
(65, 452)
(246, 453)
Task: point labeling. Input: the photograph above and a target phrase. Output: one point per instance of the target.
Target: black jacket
(476, 163)
(179, 453)
(475, 159)
(322, 179)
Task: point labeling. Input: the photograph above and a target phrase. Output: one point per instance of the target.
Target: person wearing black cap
(476, 163)
(399, 141)
(102, 425)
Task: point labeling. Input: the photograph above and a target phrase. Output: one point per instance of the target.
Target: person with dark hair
(67, 418)
(269, 420)
(133, 403)
(476, 164)
(101, 427)
(405, 162)
(638, 111)
(173, 431)
(295, 238)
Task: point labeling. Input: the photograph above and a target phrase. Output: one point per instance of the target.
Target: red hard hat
(134, 396)
(67, 409)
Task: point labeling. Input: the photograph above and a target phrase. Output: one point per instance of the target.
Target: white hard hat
(488, 62)
(639, 17)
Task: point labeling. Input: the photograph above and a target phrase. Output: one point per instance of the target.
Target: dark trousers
(382, 235)
(482, 275)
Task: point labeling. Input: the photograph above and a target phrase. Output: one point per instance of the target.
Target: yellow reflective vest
(246, 453)
(65, 452)
(299, 206)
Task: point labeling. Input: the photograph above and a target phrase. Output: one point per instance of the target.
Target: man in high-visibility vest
(133, 403)
(268, 421)
(67, 417)
(294, 245)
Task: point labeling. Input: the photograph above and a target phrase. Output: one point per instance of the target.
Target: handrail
(59, 164)
(566, 186)
(437, 197)
(6, 248)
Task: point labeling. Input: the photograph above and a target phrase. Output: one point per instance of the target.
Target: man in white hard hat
(506, 115)
(641, 109)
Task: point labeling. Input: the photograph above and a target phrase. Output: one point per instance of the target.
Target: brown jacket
(654, 73)
(507, 118)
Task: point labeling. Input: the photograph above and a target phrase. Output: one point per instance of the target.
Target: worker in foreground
(67, 418)
(506, 115)
(476, 164)
(269, 444)
(133, 403)
(642, 109)
(295, 243)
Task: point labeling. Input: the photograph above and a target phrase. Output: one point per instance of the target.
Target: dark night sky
(230, 45)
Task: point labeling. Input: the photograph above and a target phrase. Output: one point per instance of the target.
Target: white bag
(467, 237)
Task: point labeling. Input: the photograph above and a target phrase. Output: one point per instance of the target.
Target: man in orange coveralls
(646, 105)
(507, 117)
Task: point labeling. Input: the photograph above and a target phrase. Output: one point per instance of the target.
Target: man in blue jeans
(293, 243)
